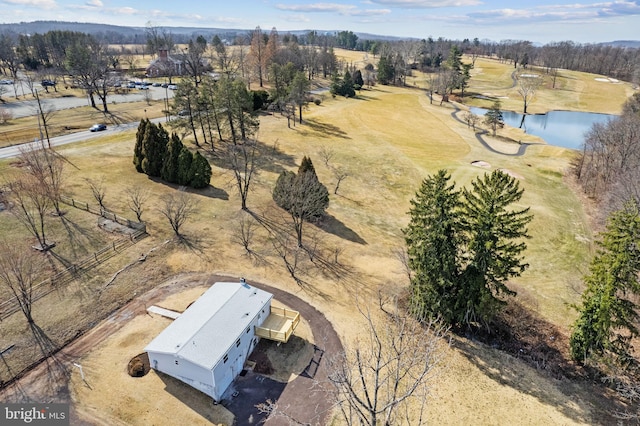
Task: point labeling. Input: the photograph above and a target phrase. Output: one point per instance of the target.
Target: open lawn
(387, 139)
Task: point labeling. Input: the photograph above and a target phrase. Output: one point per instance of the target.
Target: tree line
(158, 155)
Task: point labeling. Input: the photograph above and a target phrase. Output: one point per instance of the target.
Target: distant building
(207, 345)
(165, 65)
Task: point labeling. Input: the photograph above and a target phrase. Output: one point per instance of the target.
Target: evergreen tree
(307, 166)
(138, 149)
(200, 171)
(495, 243)
(463, 247)
(154, 147)
(184, 167)
(386, 71)
(433, 239)
(170, 165)
(302, 195)
(493, 117)
(608, 316)
(358, 81)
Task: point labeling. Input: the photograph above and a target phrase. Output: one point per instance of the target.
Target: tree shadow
(57, 371)
(195, 243)
(78, 237)
(270, 159)
(330, 224)
(210, 191)
(323, 129)
(542, 346)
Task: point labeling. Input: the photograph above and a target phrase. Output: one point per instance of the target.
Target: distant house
(208, 344)
(165, 65)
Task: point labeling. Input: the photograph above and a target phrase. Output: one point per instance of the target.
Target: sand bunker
(607, 80)
(483, 164)
(512, 174)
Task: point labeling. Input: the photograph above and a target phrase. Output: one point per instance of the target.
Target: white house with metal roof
(208, 344)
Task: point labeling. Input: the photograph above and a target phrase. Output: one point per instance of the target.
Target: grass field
(387, 139)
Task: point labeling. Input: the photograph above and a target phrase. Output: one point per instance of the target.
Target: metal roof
(206, 330)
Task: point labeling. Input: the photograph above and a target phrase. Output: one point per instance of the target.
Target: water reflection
(560, 128)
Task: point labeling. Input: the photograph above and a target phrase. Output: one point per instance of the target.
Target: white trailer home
(208, 344)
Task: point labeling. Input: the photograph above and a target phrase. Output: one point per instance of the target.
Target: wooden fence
(10, 306)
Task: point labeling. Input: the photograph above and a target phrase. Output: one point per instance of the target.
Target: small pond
(560, 128)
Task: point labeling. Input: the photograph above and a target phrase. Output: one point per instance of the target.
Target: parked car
(183, 113)
(47, 83)
(156, 84)
(165, 85)
(172, 86)
(131, 85)
(6, 81)
(98, 127)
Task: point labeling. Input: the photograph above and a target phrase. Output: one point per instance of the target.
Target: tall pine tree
(138, 149)
(170, 165)
(608, 318)
(495, 241)
(433, 239)
(200, 171)
(463, 247)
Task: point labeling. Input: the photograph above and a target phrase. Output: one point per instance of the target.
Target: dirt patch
(114, 227)
(139, 365)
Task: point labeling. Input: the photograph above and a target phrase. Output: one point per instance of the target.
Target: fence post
(114, 246)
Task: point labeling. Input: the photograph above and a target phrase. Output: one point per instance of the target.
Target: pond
(560, 128)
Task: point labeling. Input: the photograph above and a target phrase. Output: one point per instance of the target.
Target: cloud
(94, 3)
(43, 4)
(426, 4)
(317, 7)
(342, 9)
(579, 12)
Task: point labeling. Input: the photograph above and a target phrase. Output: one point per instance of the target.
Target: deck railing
(292, 318)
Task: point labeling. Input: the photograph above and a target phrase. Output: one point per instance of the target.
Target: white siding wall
(225, 371)
(192, 374)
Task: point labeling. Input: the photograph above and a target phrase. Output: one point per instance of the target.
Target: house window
(237, 342)
(225, 359)
(176, 362)
(248, 328)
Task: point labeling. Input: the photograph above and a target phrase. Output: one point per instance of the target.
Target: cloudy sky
(542, 21)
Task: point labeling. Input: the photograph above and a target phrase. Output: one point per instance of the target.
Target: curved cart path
(305, 399)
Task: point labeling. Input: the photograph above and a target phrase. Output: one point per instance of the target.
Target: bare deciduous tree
(387, 370)
(178, 208)
(243, 158)
(244, 233)
(19, 270)
(327, 154)
(30, 205)
(340, 174)
(46, 167)
(471, 119)
(98, 190)
(136, 199)
(291, 253)
(528, 85)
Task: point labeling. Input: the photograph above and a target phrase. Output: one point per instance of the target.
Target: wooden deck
(279, 325)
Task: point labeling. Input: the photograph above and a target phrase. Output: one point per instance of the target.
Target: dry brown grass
(68, 121)
(387, 139)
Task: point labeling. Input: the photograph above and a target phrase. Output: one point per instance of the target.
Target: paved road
(14, 150)
(25, 106)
